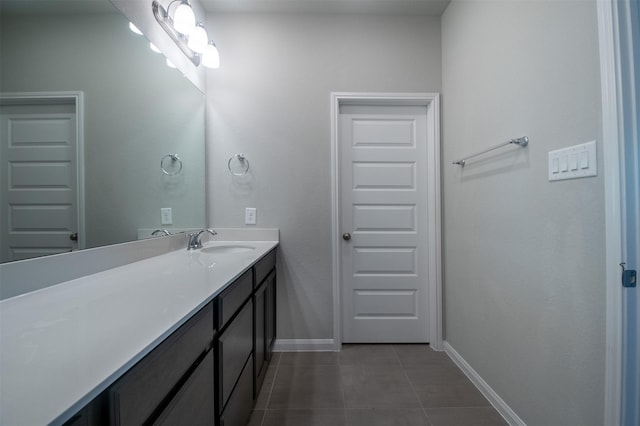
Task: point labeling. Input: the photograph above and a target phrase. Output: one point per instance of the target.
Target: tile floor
(370, 385)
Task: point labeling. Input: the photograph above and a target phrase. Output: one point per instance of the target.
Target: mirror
(135, 114)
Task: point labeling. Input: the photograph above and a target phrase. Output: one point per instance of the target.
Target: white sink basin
(227, 249)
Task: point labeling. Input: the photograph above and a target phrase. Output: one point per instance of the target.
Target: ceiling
(375, 7)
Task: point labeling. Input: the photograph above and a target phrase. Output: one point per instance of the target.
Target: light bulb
(134, 28)
(184, 20)
(198, 39)
(154, 48)
(210, 56)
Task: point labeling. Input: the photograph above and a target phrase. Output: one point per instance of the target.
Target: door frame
(616, 60)
(77, 98)
(432, 178)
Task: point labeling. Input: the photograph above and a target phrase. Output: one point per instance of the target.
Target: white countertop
(63, 345)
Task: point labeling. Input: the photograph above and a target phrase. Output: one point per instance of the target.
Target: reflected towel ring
(173, 168)
(242, 159)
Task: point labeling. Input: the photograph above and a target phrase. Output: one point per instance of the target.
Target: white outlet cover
(166, 216)
(250, 216)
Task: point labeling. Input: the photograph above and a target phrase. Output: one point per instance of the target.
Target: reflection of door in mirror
(39, 203)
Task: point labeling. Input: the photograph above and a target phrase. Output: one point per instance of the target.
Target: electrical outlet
(166, 216)
(250, 216)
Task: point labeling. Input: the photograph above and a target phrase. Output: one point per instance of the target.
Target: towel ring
(174, 158)
(242, 159)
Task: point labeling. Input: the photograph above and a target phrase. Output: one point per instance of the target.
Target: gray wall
(136, 111)
(270, 100)
(524, 258)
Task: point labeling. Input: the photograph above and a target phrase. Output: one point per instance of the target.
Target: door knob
(346, 236)
(74, 236)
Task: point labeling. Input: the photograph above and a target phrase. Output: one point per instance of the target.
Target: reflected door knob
(346, 236)
(74, 236)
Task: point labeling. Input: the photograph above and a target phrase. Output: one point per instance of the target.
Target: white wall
(270, 100)
(524, 258)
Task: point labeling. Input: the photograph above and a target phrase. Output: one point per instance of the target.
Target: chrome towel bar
(521, 142)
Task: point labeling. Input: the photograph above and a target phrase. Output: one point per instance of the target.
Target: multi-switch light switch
(573, 162)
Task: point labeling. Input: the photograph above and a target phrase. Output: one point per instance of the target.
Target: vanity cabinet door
(238, 409)
(235, 345)
(138, 395)
(193, 405)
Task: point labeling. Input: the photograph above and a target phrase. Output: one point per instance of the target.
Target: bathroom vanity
(180, 338)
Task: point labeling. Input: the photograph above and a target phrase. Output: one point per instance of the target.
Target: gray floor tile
(305, 418)
(275, 358)
(305, 387)
(368, 354)
(458, 394)
(309, 358)
(473, 416)
(387, 417)
(421, 355)
(256, 418)
(369, 386)
(429, 375)
(265, 391)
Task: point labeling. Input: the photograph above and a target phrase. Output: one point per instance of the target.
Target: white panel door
(38, 194)
(383, 160)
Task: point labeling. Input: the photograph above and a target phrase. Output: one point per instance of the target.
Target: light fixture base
(165, 21)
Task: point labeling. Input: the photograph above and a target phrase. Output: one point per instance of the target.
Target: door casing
(432, 102)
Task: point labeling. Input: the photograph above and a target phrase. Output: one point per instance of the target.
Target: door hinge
(629, 276)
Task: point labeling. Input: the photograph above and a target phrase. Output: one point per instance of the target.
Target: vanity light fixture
(189, 36)
(210, 56)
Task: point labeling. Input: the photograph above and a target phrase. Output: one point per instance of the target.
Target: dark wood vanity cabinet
(147, 392)
(209, 371)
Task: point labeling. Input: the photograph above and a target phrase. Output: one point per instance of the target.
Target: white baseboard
(498, 403)
(304, 345)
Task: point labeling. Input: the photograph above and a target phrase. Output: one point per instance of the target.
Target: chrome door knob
(74, 236)
(346, 236)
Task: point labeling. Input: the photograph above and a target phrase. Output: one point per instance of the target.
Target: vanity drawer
(230, 300)
(234, 348)
(140, 391)
(264, 266)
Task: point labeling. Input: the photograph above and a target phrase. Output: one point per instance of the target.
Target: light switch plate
(574, 162)
(166, 216)
(250, 214)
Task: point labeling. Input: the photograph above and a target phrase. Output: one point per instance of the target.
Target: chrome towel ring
(171, 164)
(241, 165)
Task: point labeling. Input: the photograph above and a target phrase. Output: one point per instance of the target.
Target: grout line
(273, 383)
(424, 410)
(344, 401)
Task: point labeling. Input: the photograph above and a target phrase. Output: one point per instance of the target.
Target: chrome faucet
(194, 238)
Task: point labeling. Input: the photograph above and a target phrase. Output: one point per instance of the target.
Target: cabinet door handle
(346, 236)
